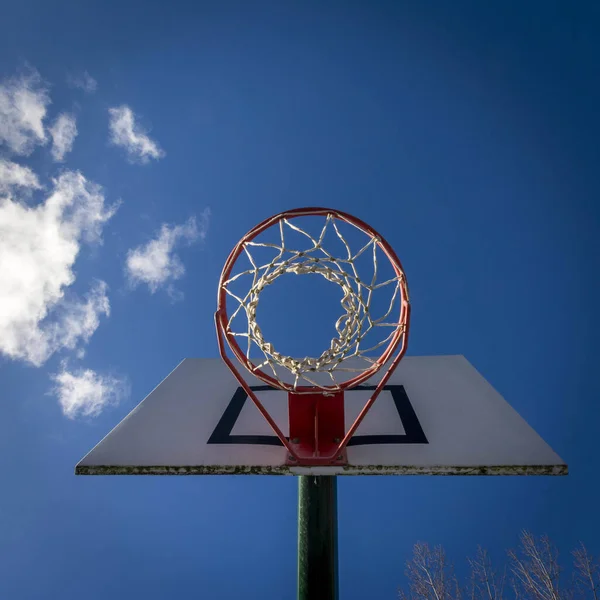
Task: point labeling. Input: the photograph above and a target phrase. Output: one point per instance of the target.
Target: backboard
(436, 416)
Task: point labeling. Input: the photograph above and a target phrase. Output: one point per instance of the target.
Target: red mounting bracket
(317, 427)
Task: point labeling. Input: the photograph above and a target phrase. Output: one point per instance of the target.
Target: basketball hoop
(364, 342)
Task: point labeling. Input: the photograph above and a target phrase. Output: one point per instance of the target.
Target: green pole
(317, 538)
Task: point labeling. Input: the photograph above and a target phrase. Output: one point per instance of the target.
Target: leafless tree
(587, 572)
(484, 583)
(533, 569)
(430, 576)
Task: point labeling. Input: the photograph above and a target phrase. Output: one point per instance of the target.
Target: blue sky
(465, 132)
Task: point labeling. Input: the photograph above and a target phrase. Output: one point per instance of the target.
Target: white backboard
(436, 416)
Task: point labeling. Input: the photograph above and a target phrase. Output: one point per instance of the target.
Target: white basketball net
(352, 327)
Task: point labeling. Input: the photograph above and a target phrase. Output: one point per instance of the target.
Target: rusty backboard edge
(347, 470)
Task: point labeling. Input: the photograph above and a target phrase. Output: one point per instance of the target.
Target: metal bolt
(291, 458)
(336, 440)
(296, 441)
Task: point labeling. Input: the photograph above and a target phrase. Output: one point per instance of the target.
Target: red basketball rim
(222, 318)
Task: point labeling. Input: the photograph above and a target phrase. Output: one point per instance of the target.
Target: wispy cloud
(23, 102)
(63, 132)
(14, 176)
(85, 393)
(126, 133)
(38, 248)
(155, 263)
(76, 320)
(83, 82)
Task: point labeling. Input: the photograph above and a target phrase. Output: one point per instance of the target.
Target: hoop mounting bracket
(317, 426)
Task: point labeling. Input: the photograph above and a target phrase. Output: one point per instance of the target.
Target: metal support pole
(317, 538)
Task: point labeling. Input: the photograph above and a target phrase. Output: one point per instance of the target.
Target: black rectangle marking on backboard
(413, 432)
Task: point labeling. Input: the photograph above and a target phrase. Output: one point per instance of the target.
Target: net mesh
(359, 334)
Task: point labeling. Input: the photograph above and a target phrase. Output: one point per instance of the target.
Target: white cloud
(63, 134)
(125, 132)
(13, 176)
(86, 393)
(23, 102)
(38, 248)
(84, 82)
(77, 320)
(156, 263)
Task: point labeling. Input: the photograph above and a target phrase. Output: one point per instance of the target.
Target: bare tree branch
(430, 576)
(485, 584)
(535, 569)
(587, 571)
